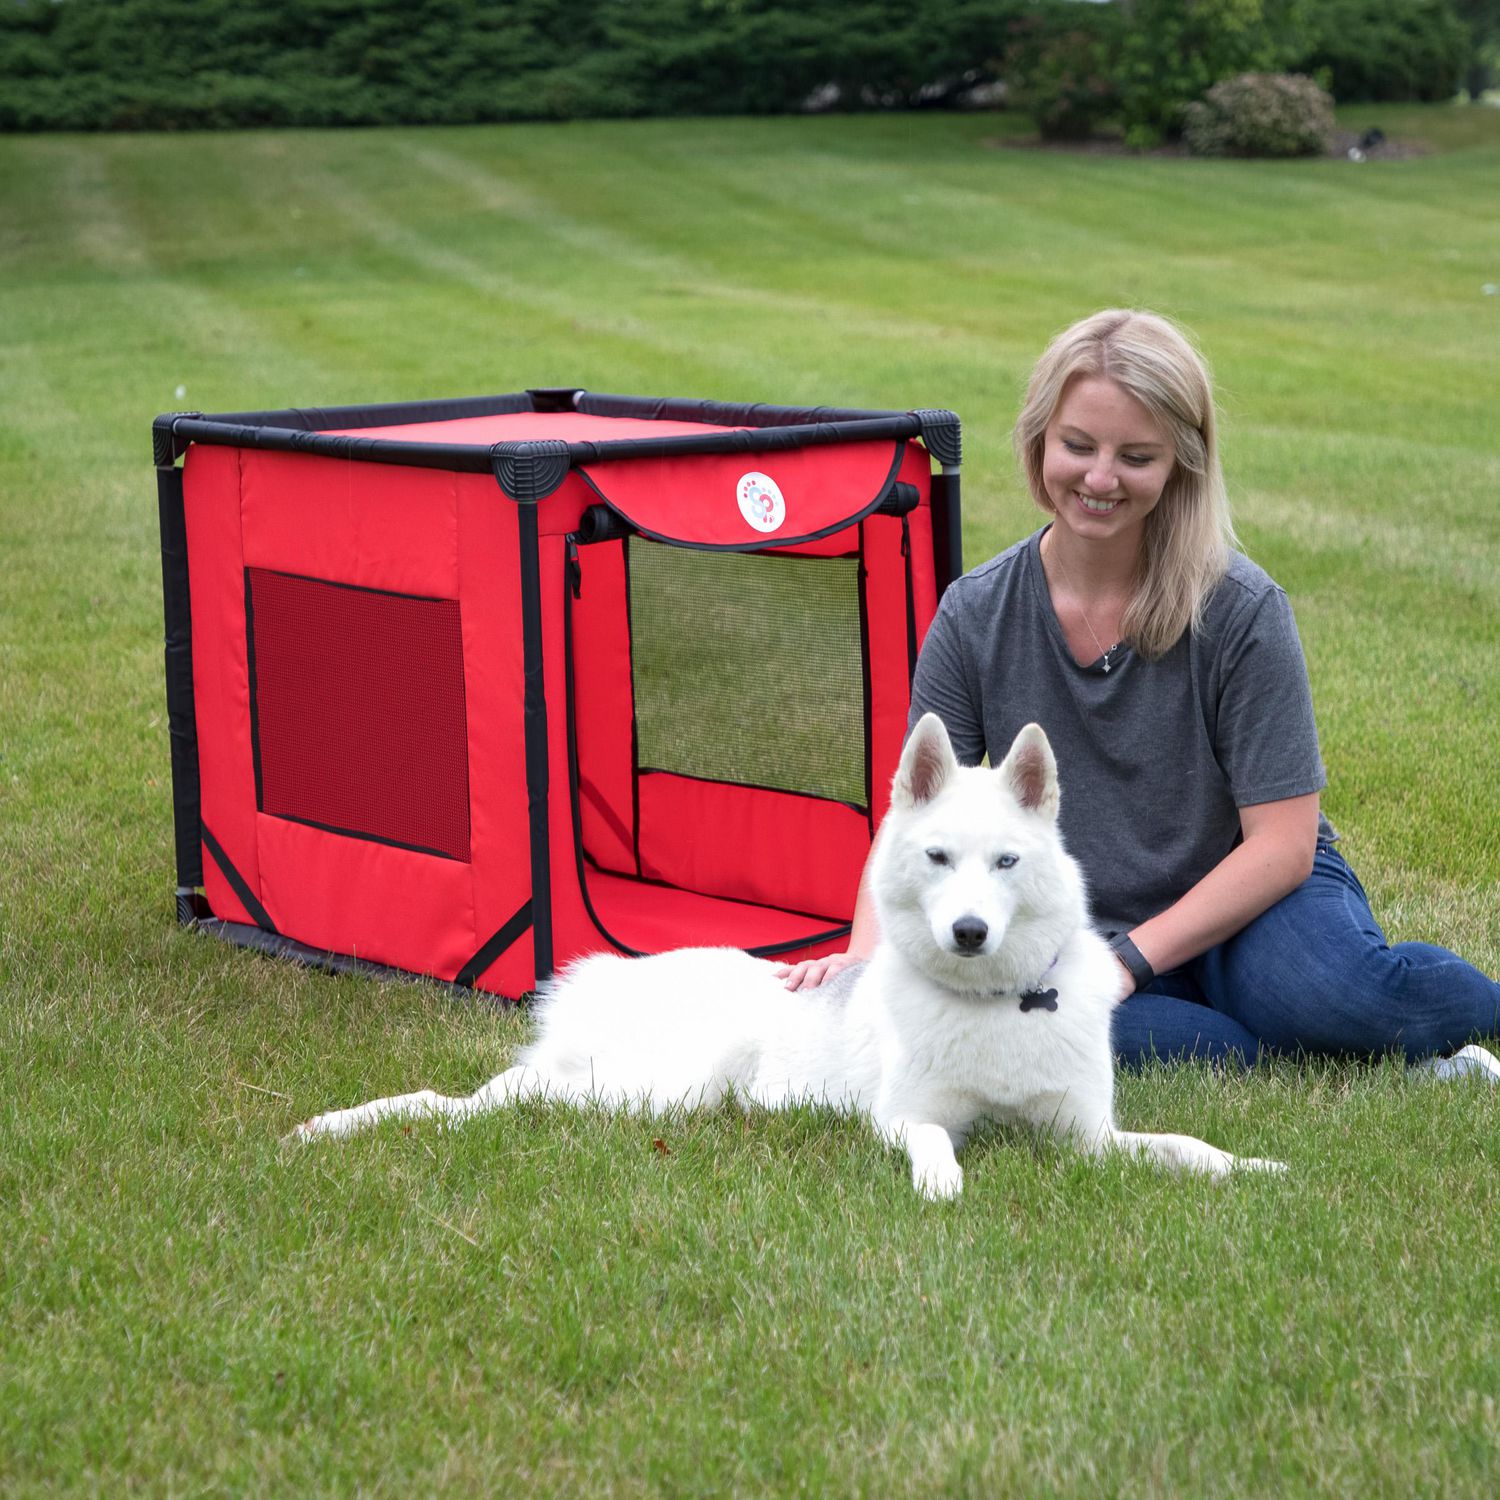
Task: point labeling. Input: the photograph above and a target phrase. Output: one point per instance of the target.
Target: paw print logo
(761, 502)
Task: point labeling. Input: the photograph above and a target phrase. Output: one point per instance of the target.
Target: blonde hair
(1188, 536)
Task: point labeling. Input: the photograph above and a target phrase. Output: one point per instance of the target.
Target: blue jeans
(1314, 974)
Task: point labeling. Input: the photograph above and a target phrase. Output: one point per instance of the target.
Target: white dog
(988, 996)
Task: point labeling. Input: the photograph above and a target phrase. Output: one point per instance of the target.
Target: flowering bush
(1260, 114)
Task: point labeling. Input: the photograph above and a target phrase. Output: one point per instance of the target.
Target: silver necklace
(1104, 650)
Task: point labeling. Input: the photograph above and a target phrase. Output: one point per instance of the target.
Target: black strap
(537, 749)
(1133, 959)
(237, 883)
(911, 604)
(469, 974)
(182, 719)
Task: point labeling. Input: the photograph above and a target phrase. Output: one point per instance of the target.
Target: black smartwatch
(1133, 959)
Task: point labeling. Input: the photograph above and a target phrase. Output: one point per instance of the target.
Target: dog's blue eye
(1006, 861)
(938, 856)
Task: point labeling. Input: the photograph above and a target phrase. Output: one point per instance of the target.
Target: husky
(988, 996)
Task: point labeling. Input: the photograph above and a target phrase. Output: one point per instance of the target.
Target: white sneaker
(1467, 1062)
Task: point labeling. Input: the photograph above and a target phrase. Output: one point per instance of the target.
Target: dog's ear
(926, 764)
(1030, 771)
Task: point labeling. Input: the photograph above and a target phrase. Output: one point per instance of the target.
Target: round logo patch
(760, 501)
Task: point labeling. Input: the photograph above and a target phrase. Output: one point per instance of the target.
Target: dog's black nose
(969, 933)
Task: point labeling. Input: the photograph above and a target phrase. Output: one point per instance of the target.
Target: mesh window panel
(749, 668)
(357, 700)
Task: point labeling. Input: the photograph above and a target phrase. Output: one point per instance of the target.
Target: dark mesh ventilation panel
(357, 699)
(749, 668)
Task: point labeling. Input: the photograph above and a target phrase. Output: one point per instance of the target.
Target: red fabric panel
(924, 574)
(697, 498)
(886, 609)
(376, 525)
(749, 844)
(359, 699)
(890, 690)
(560, 512)
(390, 529)
(367, 900)
(490, 595)
(564, 426)
(221, 679)
(652, 919)
(513, 974)
(603, 708)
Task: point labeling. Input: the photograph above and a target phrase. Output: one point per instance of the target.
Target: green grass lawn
(557, 1304)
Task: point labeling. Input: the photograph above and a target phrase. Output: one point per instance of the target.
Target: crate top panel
(503, 427)
(574, 426)
(809, 470)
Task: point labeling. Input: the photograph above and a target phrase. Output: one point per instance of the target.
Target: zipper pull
(575, 572)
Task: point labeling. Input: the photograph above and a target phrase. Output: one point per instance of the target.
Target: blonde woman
(1166, 669)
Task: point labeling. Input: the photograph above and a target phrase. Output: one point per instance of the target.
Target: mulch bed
(1340, 143)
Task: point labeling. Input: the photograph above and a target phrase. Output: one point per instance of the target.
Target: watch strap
(1133, 959)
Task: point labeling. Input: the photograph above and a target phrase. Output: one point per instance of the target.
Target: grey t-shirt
(1155, 759)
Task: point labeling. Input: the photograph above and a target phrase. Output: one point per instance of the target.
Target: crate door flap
(751, 500)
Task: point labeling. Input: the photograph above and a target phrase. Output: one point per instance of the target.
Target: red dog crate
(469, 688)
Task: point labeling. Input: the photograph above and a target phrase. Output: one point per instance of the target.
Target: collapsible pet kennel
(469, 688)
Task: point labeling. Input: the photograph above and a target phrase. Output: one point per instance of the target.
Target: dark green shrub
(1174, 51)
(1377, 50)
(1481, 19)
(1260, 114)
(172, 64)
(1060, 63)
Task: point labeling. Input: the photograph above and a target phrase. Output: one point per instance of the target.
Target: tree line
(182, 64)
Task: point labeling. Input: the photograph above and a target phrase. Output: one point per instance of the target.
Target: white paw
(938, 1180)
(333, 1123)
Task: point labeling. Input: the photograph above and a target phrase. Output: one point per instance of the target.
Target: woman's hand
(812, 972)
(864, 932)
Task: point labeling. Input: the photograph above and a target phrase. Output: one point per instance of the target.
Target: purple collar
(1035, 998)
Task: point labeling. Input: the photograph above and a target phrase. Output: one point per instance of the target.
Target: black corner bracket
(942, 434)
(530, 471)
(165, 449)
